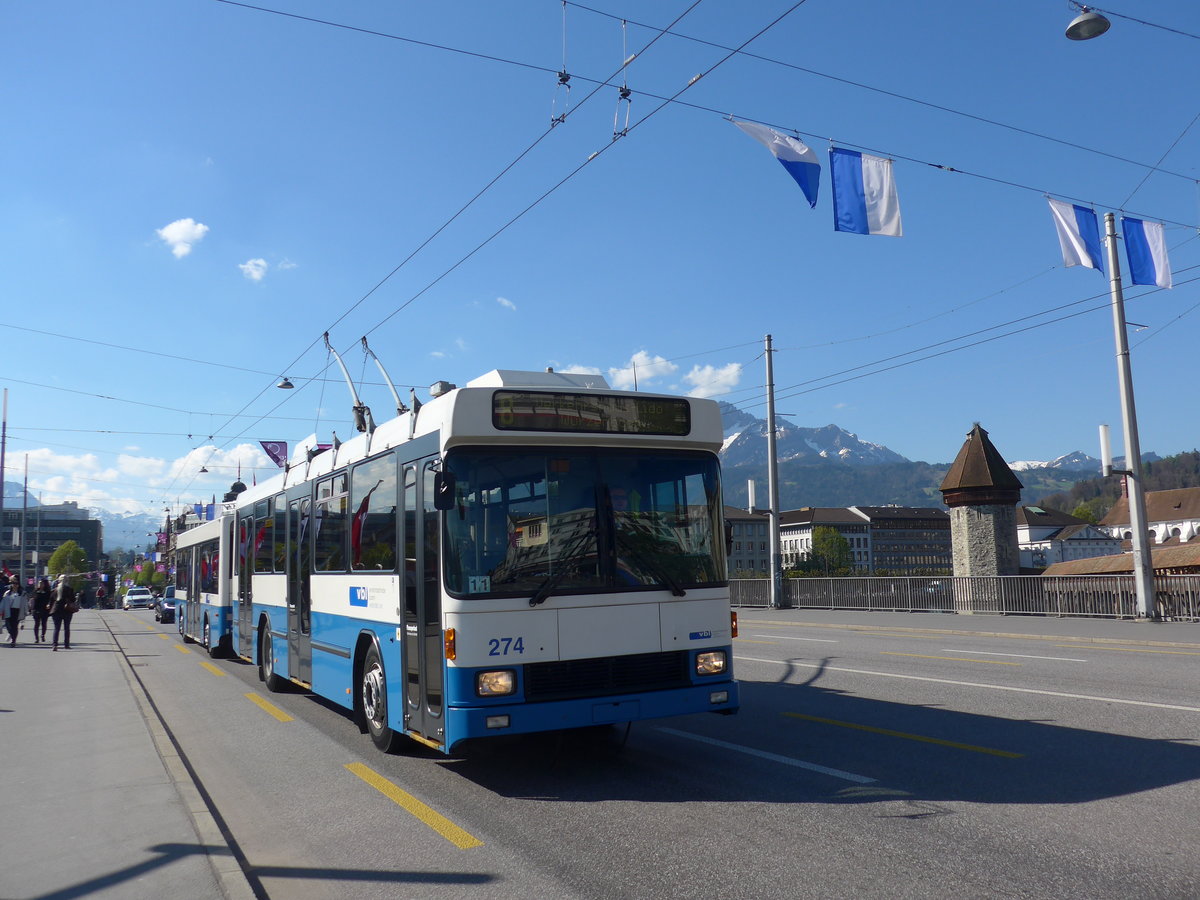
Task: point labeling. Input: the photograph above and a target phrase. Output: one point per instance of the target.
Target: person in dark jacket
(43, 597)
(61, 611)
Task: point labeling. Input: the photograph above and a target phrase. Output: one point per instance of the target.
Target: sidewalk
(1050, 628)
(94, 799)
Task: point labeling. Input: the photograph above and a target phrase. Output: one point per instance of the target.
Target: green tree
(1086, 512)
(68, 559)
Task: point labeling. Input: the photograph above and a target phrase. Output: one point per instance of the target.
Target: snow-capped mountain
(1076, 461)
(746, 443)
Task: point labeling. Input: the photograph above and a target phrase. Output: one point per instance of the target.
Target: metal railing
(1112, 596)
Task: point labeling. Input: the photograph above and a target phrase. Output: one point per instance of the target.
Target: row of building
(33, 534)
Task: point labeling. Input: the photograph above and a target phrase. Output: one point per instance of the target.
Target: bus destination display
(596, 413)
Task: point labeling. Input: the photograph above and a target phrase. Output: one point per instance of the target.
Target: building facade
(750, 553)
(1048, 536)
(45, 529)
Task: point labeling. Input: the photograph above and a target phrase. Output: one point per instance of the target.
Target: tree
(1086, 512)
(831, 551)
(68, 559)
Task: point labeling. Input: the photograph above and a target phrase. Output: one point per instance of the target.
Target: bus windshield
(559, 521)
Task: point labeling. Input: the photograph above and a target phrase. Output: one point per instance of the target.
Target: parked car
(138, 598)
(164, 606)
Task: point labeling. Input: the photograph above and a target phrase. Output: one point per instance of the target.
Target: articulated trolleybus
(533, 551)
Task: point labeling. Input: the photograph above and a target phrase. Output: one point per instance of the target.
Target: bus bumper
(525, 718)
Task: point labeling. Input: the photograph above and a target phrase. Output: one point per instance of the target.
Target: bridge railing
(1177, 597)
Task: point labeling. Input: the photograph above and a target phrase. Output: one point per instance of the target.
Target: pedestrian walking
(13, 609)
(61, 611)
(43, 597)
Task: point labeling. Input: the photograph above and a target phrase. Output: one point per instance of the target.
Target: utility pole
(1143, 562)
(776, 594)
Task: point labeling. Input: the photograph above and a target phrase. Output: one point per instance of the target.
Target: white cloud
(641, 369)
(506, 303)
(181, 235)
(578, 370)
(438, 354)
(285, 265)
(708, 381)
(254, 269)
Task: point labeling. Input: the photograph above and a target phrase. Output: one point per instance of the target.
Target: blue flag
(1078, 234)
(795, 156)
(1146, 248)
(864, 194)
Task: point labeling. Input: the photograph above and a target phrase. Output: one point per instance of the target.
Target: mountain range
(833, 467)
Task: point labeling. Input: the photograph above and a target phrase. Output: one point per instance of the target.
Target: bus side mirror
(443, 490)
(728, 537)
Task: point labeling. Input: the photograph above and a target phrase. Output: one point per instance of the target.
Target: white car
(138, 598)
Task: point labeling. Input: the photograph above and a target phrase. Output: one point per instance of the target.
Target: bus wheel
(266, 664)
(374, 702)
(214, 650)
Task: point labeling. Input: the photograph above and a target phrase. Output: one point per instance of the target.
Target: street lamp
(1087, 25)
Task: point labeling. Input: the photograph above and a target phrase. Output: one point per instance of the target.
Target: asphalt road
(867, 761)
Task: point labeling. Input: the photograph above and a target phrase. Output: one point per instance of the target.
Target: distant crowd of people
(58, 603)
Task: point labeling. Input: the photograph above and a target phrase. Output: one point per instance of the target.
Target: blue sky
(196, 191)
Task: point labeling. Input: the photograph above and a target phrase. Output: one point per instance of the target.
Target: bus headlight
(495, 684)
(710, 662)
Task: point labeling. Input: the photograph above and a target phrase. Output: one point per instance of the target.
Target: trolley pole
(1143, 563)
(776, 593)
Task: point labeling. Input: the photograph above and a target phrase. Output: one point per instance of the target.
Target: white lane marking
(978, 684)
(1018, 655)
(773, 757)
(784, 637)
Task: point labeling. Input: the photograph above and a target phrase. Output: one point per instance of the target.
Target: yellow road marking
(411, 804)
(990, 662)
(270, 707)
(212, 668)
(165, 637)
(1007, 754)
(1132, 649)
(182, 649)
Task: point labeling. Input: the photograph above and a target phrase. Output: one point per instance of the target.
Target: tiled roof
(980, 470)
(1179, 556)
(902, 512)
(1035, 515)
(819, 515)
(1161, 506)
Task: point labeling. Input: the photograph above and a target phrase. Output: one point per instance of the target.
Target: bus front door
(423, 649)
(298, 597)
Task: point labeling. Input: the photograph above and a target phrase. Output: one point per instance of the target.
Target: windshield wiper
(568, 560)
(653, 568)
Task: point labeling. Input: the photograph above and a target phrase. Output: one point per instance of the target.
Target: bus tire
(214, 650)
(373, 696)
(266, 664)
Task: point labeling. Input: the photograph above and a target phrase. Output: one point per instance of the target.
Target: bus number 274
(506, 645)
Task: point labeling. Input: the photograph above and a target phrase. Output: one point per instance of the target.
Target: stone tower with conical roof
(982, 493)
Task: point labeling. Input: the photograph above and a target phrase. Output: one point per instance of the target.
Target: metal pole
(3, 447)
(773, 487)
(24, 510)
(1143, 564)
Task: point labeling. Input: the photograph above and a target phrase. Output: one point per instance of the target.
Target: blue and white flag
(864, 194)
(1078, 234)
(795, 156)
(1146, 247)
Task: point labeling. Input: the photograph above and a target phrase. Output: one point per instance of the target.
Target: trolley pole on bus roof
(776, 593)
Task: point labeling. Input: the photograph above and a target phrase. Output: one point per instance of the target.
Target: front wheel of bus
(374, 702)
(266, 664)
